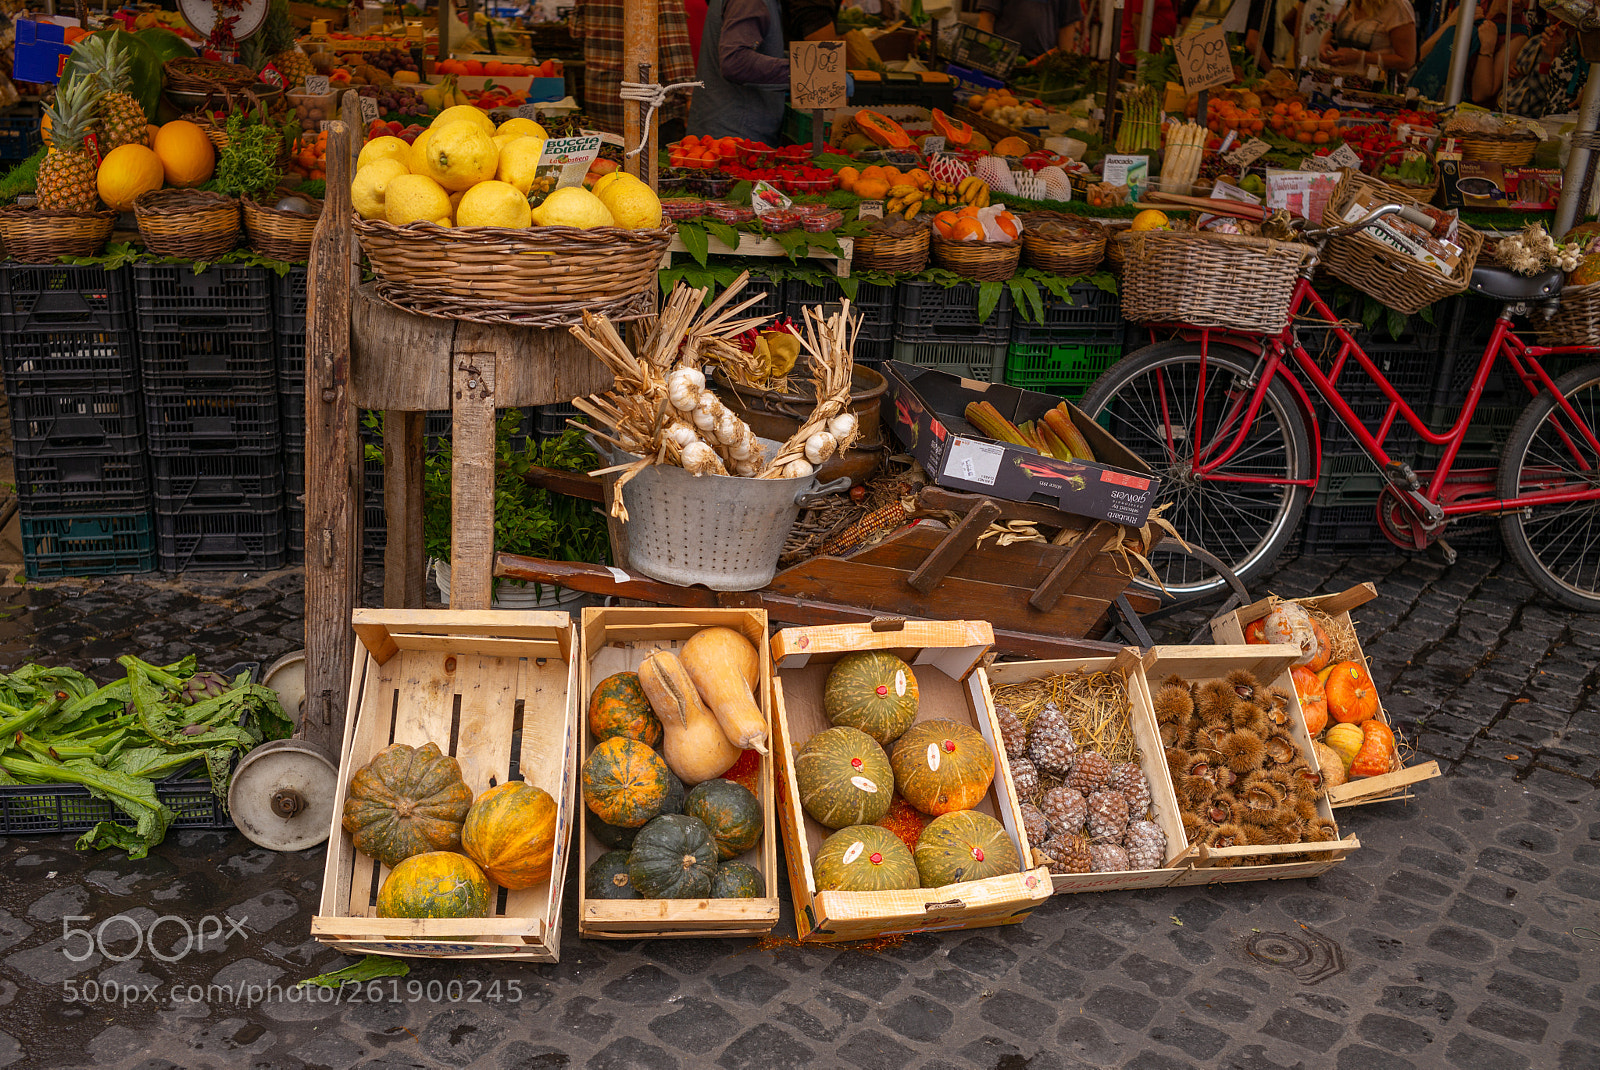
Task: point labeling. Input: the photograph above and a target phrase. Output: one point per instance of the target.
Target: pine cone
(1129, 779)
(1024, 777)
(1108, 815)
(1065, 809)
(1107, 858)
(1012, 733)
(1050, 743)
(1146, 845)
(1034, 824)
(1067, 854)
(1089, 772)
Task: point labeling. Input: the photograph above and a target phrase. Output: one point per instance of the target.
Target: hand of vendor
(1345, 57)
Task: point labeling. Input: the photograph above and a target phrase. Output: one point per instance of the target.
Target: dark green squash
(673, 857)
(406, 801)
(844, 778)
(874, 691)
(608, 877)
(738, 880)
(964, 846)
(864, 858)
(625, 782)
(731, 813)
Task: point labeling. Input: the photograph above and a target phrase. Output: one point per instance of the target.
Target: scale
(203, 15)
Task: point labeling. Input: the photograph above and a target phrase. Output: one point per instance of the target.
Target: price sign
(932, 145)
(369, 109)
(317, 84)
(1203, 59)
(564, 161)
(1248, 153)
(869, 210)
(528, 111)
(1317, 163)
(816, 75)
(1345, 157)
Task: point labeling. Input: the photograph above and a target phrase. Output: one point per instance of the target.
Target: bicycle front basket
(1209, 280)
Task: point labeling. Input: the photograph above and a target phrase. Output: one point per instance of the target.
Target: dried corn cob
(868, 531)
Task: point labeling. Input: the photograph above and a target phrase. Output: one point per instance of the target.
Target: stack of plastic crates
(874, 304)
(938, 327)
(72, 373)
(289, 324)
(1072, 344)
(19, 133)
(208, 359)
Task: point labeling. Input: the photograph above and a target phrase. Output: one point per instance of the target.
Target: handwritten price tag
(816, 75)
(932, 145)
(1345, 157)
(369, 109)
(527, 111)
(870, 210)
(1203, 60)
(1248, 153)
(317, 84)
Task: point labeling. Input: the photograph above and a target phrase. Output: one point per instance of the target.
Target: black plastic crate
(772, 296)
(212, 420)
(291, 357)
(74, 420)
(167, 359)
(45, 361)
(1092, 317)
(296, 533)
(19, 133)
(97, 544)
(1344, 529)
(171, 297)
(551, 420)
(211, 480)
(982, 361)
(872, 352)
(874, 304)
(44, 809)
(289, 296)
(928, 312)
(52, 297)
(75, 481)
(223, 539)
(894, 90)
(294, 470)
(375, 530)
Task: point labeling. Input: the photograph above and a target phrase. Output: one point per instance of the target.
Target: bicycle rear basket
(1209, 280)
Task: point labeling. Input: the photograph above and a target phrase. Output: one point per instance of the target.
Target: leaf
(989, 293)
(1370, 312)
(694, 241)
(740, 193)
(850, 285)
(1427, 315)
(792, 241)
(1397, 324)
(370, 968)
(824, 240)
(1025, 295)
(722, 232)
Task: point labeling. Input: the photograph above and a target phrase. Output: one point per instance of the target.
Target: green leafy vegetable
(370, 968)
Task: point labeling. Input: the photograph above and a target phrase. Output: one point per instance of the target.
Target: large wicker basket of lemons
(460, 224)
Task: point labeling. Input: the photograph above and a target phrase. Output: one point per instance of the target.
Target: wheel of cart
(282, 794)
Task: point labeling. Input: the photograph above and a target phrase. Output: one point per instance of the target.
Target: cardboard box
(947, 657)
(1305, 193)
(499, 692)
(1483, 185)
(1230, 628)
(926, 416)
(616, 640)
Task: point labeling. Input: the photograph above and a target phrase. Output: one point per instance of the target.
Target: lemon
(493, 204)
(521, 126)
(464, 111)
(605, 180)
(384, 148)
(371, 183)
(459, 155)
(1149, 219)
(632, 204)
(416, 159)
(573, 206)
(519, 159)
(416, 197)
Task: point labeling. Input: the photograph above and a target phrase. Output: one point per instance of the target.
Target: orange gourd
(1352, 696)
(1255, 631)
(882, 130)
(1313, 698)
(1319, 660)
(1376, 755)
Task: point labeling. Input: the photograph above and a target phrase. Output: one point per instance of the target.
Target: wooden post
(404, 579)
(640, 30)
(472, 473)
(333, 469)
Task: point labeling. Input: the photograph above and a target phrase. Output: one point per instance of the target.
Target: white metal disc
(287, 677)
(202, 15)
(290, 770)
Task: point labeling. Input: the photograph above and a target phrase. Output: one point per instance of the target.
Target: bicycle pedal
(1442, 552)
(1400, 474)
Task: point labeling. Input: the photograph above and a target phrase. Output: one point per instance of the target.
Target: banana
(902, 190)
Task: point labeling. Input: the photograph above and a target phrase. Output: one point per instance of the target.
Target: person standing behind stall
(745, 72)
(1037, 25)
(599, 23)
(1372, 33)
(810, 20)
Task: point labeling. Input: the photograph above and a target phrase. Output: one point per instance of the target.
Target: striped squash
(874, 691)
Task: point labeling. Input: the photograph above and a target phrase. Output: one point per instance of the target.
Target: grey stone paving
(1462, 934)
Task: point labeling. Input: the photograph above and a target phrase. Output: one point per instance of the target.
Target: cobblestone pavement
(1463, 933)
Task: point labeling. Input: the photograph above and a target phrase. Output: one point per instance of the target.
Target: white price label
(1317, 163)
(869, 210)
(853, 852)
(864, 784)
(527, 111)
(1345, 157)
(933, 757)
(317, 84)
(369, 109)
(1248, 153)
(931, 145)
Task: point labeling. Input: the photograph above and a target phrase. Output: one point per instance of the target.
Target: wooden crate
(617, 640)
(1229, 629)
(947, 657)
(1270, 665)
(1152, 759)
(498, 691)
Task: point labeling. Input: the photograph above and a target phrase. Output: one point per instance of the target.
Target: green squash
(625, 782)
(436, 884)
(621, 839)
(964, 846)
(731, 813)
(617, 707)
(406, 801)
(608, 877)
(844, 778)
(874, 691)
(864, 858)
(164, 44)
(144, 68)
(673, 857)
(738, 880)
(942, 766)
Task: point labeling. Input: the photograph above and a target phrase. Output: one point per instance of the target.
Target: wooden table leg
(404, 566)
(472, 480)
(963, 537)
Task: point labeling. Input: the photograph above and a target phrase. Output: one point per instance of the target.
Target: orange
(968, 212)
(872, 171)
(967, 230)
(945, 223)
(871, 188)
(1319, 138)
(1007, 224)
(891, 174)
(847, 178)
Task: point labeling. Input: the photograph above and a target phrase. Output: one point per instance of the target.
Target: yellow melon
(186, 155)
(1011, 146)
(125, 173)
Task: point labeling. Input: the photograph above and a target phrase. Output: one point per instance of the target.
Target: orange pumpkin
(1255, 631)
(1352, 696)
(1319, 660)
(511, 833)
(1313, 698)
(1376, 755)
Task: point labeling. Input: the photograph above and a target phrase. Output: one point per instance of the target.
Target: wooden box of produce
(452, 704)
(1354, 701)
(715, 792)
(1246, 777)
(910, 712)
(1052, 714)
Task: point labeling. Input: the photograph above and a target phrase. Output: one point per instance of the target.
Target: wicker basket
(1209, 280)
(1115, 250)
(1401, 282)
(906, 253)
(981, 260)
(1577, 320)
(1077, 255)
(279, 234)
(36, 236)
(526, 277)
(1513, 149)
(196, 75)
(187, 223)
(1424, 194)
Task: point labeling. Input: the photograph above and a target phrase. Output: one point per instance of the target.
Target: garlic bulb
(819, 447)
(729, 427)
(742, 450)
(699, 459)
(843, 426)
(681, 434)
(704, 419)
(797, 469)
(683, 388)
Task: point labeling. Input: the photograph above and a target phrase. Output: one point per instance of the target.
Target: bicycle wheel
(1148, 400)
(1557, 545)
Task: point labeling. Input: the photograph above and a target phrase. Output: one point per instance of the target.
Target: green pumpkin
(874, 691)
(673, 857)
(436, 884)
(625, 783)
(608, 877)
(844, 778)
(738, 880)
(864, 858)
(731, 813)
(964, 846)
(617, 707)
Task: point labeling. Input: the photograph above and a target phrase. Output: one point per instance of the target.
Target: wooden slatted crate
(947, 658)
(495, 689)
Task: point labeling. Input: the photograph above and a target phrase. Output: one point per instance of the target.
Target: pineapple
(67, 176)
(294, 65)
(122, 120)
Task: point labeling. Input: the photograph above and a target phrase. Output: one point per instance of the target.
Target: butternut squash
(695, 747)
(716, 660)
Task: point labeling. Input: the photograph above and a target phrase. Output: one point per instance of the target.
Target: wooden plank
(505, 648)
(957, 541)
(640, 27)
(377, 641)
(1374, 789)
(1021, 564)
(454, 930)
(469, 623)
(572, 484)
(1067, 572)
(472, 479)
(404, 564)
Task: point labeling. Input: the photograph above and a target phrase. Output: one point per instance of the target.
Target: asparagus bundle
(1141, 121)
(1053, 434)
(1186, 144)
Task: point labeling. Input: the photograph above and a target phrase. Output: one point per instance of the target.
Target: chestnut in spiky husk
(1244, 684)
(1251, 717)
(1214, 703)
(1173, 703)
(1240, 751)
(1279, 749)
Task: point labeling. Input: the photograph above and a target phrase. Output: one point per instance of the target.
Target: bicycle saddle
(1503, 284)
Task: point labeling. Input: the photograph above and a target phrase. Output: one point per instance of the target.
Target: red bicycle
(1226, 419)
